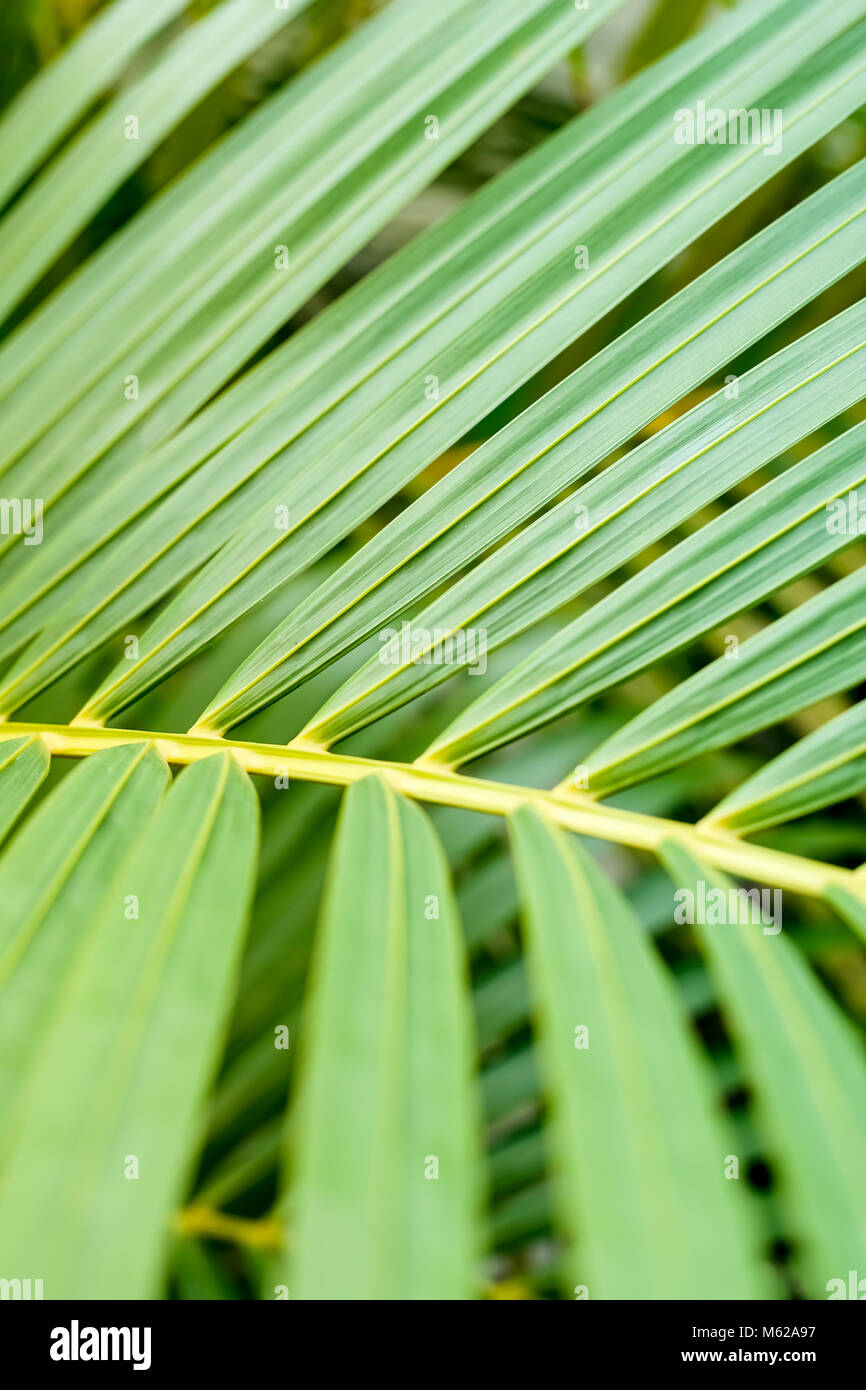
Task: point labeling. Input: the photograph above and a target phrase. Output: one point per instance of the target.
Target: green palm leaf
(23, 765)
(49, 106)
(321, 506)
(825, 767)
(619, 1065)
(133, 1034)
(259, 190)
(814, 651)
(47, 217)
(558, 440)
(809, 1071)
(51, 877)
(382, 1154)
(412, 314)
(610, 519)
(777, 533)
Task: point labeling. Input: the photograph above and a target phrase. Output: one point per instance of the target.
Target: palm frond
(574, 438)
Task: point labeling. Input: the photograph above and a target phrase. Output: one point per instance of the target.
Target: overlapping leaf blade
(225, 286)
(814, 651)
(850, 902)
(559, 439)
(51, 103)
(753, 548)
(103, 1138)
(808, 1069)
(639, 1152)
(50, 214)
(383, 1192)
(23, 764)
(608, 520)
(52, 878)
(323, 506)
(826, 766)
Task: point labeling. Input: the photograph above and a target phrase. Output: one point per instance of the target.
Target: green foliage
(308, 433)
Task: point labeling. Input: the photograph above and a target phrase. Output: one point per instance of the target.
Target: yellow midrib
(437, 785)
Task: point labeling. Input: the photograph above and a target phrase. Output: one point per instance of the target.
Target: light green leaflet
(334, 83)
(132, 283)
(242, 163)
(322, 363)
(52, 878)
(341, 78)
(753, 548)
(609, 519)
(808, 1070)
(76, 184)
(815, 651)
(821, 769)
(638, 1149)
(559, 439)
(324, 503)
(52, 102)
(224, 290)
(383, 1196)
(104, 1136)
(23, 764)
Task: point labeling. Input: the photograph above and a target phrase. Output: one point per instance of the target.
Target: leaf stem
(441, 786)
(263, 1234)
